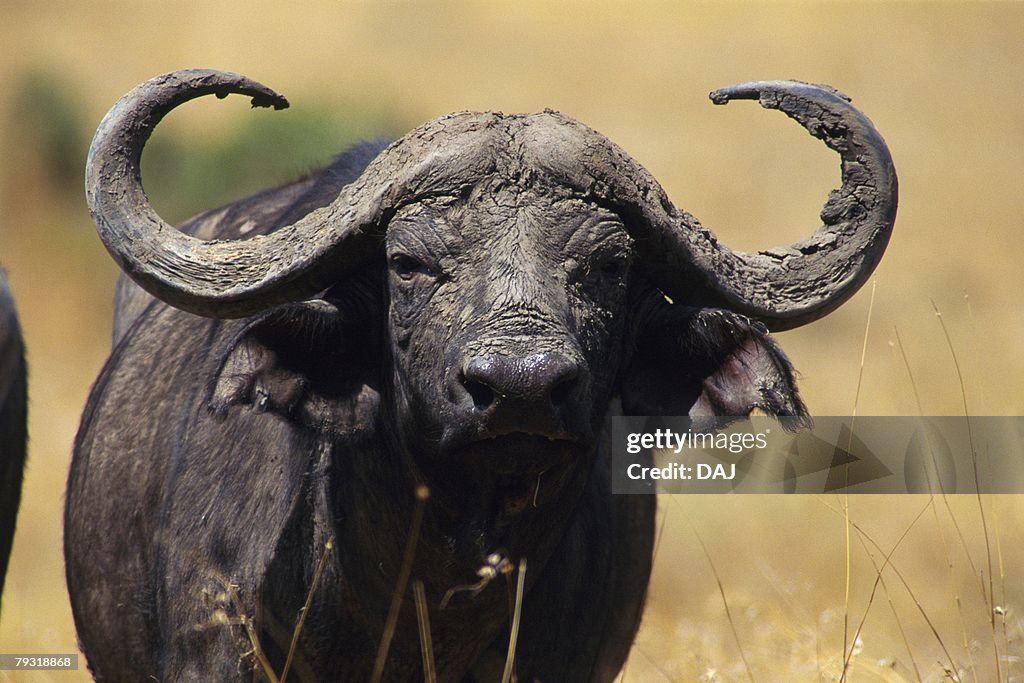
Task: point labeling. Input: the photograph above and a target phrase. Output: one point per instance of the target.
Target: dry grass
(422, 493)
(933, 78)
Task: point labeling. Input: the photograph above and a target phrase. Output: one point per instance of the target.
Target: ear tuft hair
(302, 361)
(708, 362)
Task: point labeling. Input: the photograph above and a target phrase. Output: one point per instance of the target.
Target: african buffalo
(13, 409)
(456, 314)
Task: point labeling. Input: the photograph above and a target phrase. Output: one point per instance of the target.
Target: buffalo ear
(708, 362)
(304, 361)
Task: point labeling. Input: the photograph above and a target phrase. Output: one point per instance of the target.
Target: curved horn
(783, 287)
(792, 285)
(218, 279)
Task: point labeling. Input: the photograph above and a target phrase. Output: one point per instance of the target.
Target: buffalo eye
(407, 267)
(613, 267)
(607, 268)
(601, 279)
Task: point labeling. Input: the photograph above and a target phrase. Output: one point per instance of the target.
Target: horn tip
(270, 99)
(742, 91)
(757, 90)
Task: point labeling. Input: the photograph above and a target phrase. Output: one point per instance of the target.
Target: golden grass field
(939, 80)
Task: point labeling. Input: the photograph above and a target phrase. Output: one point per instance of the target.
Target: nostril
(483, 395)
(481, 379)
(563, 389)
(557, 376)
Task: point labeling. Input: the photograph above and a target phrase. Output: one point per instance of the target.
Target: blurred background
(777, 581)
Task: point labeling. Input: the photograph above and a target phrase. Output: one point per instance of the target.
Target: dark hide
(13, 426)
(482, 357)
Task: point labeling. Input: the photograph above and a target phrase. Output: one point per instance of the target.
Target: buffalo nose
(541, 378)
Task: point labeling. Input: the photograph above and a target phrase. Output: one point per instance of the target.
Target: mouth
(515, 456)
(524, 470)
(488, 479)
(488, 484)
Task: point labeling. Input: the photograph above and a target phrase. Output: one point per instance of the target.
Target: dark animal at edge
(461, 310)
(13, 421)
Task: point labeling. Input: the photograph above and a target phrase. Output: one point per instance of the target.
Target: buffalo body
(401, 375)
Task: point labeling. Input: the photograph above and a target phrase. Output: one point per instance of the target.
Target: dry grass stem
(653, 663)
(426, 642)
(906, 586)
(293, 647)
(508, 675)
(422, 493)
(910, 373)
(945, 500)
(846, 469)
(1002, 579)
(981, 506)
(903, 631)
(938, 524)
(848, 656)
(250, 629)
(728, 614)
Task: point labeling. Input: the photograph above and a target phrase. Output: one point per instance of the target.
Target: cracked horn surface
(795, 284)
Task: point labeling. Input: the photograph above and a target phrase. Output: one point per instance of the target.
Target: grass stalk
(426, 642)
(293, 647)
(848, 656)
(725, 601)
(422, 493)
(981, 506)
(906, 586)
(846, 498)
(938, 524)
(508, 675)
(250, 630)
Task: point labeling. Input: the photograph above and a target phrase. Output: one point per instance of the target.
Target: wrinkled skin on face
(506, 328)
(505, 320)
